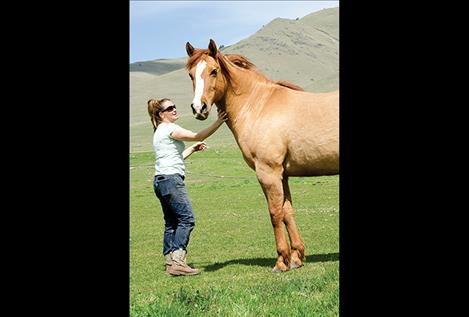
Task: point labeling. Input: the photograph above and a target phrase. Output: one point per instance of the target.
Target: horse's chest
(245, 145)
(247, 155)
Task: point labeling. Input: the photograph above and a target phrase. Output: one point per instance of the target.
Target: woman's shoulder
(166, 127)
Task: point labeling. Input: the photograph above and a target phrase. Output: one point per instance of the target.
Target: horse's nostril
(193, 110)
(204, 107)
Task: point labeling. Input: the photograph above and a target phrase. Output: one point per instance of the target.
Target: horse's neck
(244, 99)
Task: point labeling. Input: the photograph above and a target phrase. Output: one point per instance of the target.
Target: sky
(160, 29)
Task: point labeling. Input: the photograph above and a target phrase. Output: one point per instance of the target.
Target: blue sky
(160, 29)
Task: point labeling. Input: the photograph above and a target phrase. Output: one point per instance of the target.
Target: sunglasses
(170, 108)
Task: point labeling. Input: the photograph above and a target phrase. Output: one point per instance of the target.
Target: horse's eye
(190, 75)
(214, 72)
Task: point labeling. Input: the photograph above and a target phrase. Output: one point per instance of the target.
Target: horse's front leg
(297, 246)
(270, 179)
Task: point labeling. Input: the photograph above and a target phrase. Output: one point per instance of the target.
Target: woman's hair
(154, 108)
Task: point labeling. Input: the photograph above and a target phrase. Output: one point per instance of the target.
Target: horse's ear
(189, 49)
(212, 47)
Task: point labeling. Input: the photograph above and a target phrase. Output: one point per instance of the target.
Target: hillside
(303, 51)
(158, 66)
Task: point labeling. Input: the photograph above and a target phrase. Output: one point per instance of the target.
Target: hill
(158, 66)
(303, 51)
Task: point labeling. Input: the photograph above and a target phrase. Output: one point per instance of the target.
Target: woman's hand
(222, 116)
(199, 146)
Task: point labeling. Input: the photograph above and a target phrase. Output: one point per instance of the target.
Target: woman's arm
(199, 146)
(182, 134)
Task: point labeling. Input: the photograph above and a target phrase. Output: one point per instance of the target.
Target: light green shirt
(169, 159)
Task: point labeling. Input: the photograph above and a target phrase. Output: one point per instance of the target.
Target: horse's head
(208, 81)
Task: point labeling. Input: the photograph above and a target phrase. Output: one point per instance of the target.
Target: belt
(163, 175)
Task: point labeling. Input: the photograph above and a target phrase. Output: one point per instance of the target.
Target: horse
(281, 130)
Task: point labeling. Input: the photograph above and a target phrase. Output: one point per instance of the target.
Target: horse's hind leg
(270, 179)
(297, 246)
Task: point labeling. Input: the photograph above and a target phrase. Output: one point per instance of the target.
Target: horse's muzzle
(203, 114)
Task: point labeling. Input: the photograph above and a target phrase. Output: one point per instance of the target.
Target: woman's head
(163, 110)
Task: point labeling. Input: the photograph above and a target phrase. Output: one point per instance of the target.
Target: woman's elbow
(198, 137)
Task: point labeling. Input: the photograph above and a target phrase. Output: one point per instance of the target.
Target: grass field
(233, 244)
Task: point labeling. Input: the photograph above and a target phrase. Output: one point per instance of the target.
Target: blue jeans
(177, 209)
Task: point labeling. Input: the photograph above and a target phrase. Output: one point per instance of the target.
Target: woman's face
(169, 112)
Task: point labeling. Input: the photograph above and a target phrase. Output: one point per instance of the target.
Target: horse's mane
(238, 60)
(288, 84)
(241, 61)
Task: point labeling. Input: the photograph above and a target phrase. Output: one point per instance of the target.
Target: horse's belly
(312, 164)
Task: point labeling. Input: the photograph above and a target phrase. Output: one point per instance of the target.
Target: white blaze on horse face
(199, 85)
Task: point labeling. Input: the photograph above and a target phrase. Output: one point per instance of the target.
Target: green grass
(233, 244)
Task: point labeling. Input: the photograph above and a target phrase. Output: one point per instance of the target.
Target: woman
(168, 182)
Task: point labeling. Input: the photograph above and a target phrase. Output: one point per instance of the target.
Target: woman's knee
(188, 222)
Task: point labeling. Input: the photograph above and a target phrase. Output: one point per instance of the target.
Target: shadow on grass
(270, 262)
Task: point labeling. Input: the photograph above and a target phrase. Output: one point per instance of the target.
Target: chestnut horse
(281, 130)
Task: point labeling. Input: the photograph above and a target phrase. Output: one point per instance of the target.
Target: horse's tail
(288, 84)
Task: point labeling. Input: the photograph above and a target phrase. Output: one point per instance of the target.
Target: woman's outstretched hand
(222, 115)
(199, 146)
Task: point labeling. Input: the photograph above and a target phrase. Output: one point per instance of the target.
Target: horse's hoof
(276, 270)
(294, 265)
(280, 268)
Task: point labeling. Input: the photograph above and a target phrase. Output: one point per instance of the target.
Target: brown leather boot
(168, 261)
(179, 265)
